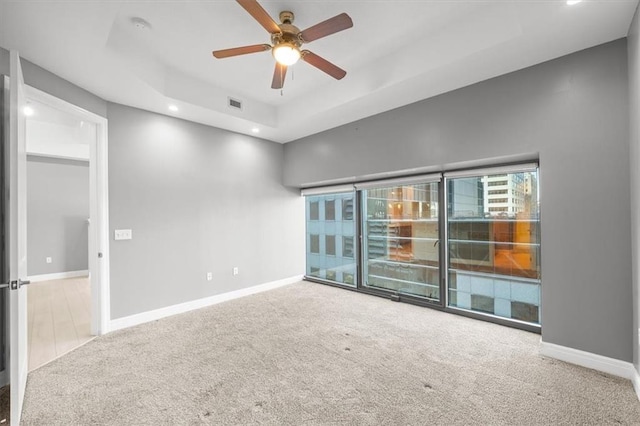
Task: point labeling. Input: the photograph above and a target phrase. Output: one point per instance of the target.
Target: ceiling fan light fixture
(286, 53)
(287, 40)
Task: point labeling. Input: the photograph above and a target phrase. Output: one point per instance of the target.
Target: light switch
(123, 234)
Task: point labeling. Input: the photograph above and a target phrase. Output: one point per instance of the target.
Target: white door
(17, 239)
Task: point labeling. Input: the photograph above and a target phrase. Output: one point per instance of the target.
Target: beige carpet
(312, 354)
(5, 408)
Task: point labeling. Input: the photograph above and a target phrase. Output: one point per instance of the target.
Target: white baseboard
(130, 321)
(605, 364)
(58, 276)
(636, 382)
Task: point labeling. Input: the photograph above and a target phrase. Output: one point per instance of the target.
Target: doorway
(59, 297)
(67, 227)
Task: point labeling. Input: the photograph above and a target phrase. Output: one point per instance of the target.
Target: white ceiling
(397, 52)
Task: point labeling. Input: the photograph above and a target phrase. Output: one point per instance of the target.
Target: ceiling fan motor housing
(289, 32)
(286, 17)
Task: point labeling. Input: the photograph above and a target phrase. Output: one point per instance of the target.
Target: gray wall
(198, 199)
(634, 113)
(57, 213)
(46, 81)
(572, 113)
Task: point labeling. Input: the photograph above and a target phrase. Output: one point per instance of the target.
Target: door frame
(98, 207)
(17, 235)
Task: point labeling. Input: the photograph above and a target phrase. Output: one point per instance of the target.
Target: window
(330, 210)
(330, 228)
(314, 211)
(401, 252)
(524, 311)
(482, 303)
(330, 245)
(488, 228)
(494, 260)
(347, 246)
(347, 209)
(314, 243)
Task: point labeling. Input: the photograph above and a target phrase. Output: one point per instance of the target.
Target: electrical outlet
(209, 276)
(235, 271)
(49, 260)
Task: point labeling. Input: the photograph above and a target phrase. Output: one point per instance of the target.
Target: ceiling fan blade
(328, 27)
(235, 51)
(278, 76)
(260, 15)
(323, 65)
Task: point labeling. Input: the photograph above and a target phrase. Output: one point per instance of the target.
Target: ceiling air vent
(235, 104)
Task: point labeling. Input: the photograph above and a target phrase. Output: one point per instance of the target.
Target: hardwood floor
(59, 318)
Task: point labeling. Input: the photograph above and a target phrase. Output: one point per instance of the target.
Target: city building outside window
(331, 231)
(485, 240)
(494, 256)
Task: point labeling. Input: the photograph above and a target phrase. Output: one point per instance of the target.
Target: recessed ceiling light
(140, 23)
(255, 130)
(28, 111)
(572, 2)
(173, 108)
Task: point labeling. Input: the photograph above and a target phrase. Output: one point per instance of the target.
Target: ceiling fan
(286, 40)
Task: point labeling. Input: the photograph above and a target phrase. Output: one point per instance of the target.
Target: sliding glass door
(401, 250)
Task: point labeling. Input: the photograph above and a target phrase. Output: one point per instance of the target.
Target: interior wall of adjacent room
(57, 213)
(572, 113)
(198, 199)
(634, 112)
